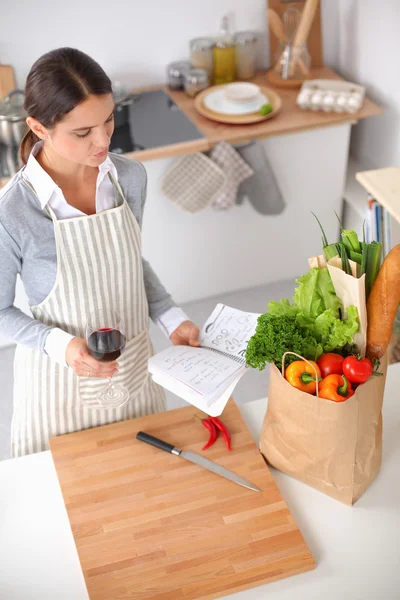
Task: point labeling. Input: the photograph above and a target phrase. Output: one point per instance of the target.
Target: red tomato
(357, 370)
(330, 364)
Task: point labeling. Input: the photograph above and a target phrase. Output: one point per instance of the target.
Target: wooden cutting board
(150, 525)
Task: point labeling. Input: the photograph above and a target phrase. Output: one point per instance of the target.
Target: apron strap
(117, 188)
(47, 207)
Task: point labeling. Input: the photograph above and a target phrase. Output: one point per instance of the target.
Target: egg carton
(330, 95)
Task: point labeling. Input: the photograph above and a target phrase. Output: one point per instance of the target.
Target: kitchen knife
(197, 459)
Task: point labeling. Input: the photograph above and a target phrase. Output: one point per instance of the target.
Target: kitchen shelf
(384, 187)
(290, 119)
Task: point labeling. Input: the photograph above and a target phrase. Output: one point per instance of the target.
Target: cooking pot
(12, 119)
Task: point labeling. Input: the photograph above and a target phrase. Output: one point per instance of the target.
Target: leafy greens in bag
(310, 326)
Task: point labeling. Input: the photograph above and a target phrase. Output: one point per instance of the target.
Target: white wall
(368, 53)
(132, 40)
(367, 50)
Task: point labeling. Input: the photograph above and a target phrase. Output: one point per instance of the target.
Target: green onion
(370, 264)
(355, 256)
(330, 251)
(344, 258)
(324, 238)
(350, 240)
(340, 222)
(364, 252)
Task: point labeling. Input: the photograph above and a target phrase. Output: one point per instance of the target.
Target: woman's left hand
(185, 335)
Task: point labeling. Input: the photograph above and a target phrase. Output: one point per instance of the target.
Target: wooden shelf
(384, 187)
(290, 119)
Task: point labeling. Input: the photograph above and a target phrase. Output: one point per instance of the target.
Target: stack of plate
(237, 103)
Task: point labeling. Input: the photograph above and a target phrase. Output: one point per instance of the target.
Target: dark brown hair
(57, 82)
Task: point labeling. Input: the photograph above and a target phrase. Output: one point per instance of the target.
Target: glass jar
(246, 54)
(292, 63)
(224, 55)
(195, 80)
(176, 72)
(201, 55)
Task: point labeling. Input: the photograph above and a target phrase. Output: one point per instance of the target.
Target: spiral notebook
(206, 376)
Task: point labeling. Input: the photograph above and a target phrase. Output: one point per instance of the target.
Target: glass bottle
(195, 80)
(201, 55)
(176, 74)
(246, 54)
(224, 55)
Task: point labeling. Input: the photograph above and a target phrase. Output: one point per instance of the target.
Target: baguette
(382, 305)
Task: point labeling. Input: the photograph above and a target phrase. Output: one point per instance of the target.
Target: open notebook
(207, 376)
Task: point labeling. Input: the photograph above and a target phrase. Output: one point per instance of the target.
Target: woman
(70, 226)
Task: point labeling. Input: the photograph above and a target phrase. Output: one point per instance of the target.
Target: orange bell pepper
(336, 388)
(302, 376)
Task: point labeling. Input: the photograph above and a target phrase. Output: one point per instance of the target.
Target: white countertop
(356, 548)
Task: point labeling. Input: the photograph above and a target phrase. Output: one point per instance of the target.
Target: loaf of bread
(382, 305)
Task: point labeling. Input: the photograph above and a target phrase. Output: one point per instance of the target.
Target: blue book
(377, 222)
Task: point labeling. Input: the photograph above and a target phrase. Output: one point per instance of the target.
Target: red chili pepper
(213, 432)
(223, 429)
(211, 428)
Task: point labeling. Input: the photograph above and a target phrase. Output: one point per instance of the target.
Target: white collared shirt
(50, 194)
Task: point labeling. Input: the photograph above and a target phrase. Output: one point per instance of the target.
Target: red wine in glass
(106, 344)
(105, 337)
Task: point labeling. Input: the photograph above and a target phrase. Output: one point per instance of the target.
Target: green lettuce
(282, 308)
(315, 294)
(310, 326)
(335, 333)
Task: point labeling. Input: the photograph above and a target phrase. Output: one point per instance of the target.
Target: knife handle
(149, 439)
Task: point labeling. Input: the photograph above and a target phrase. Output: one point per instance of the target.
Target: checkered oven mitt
(236, 171)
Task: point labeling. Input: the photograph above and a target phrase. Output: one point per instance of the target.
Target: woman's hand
(185, 335)
(83, 364)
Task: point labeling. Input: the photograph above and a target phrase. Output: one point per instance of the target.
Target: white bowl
(218, 103)
(241, 93)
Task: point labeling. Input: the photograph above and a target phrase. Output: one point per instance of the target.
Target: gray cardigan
(27, 247)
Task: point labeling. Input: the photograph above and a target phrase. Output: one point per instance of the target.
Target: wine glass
(105, 337)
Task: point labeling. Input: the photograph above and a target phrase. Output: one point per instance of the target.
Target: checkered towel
(236, 171)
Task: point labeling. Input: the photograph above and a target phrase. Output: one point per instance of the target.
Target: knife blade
(197, 459)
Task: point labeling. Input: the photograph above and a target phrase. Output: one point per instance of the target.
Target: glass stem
(110, 384)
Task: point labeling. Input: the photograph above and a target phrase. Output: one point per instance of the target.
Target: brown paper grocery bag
(334, 447)
(351, 291)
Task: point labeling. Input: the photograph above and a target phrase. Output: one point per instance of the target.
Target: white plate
(217, 102)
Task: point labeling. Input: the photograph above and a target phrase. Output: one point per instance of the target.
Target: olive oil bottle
(224, 55)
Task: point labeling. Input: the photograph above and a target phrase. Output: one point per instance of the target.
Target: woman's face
(83, 136)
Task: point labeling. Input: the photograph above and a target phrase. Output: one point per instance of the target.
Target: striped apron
(99, 266)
